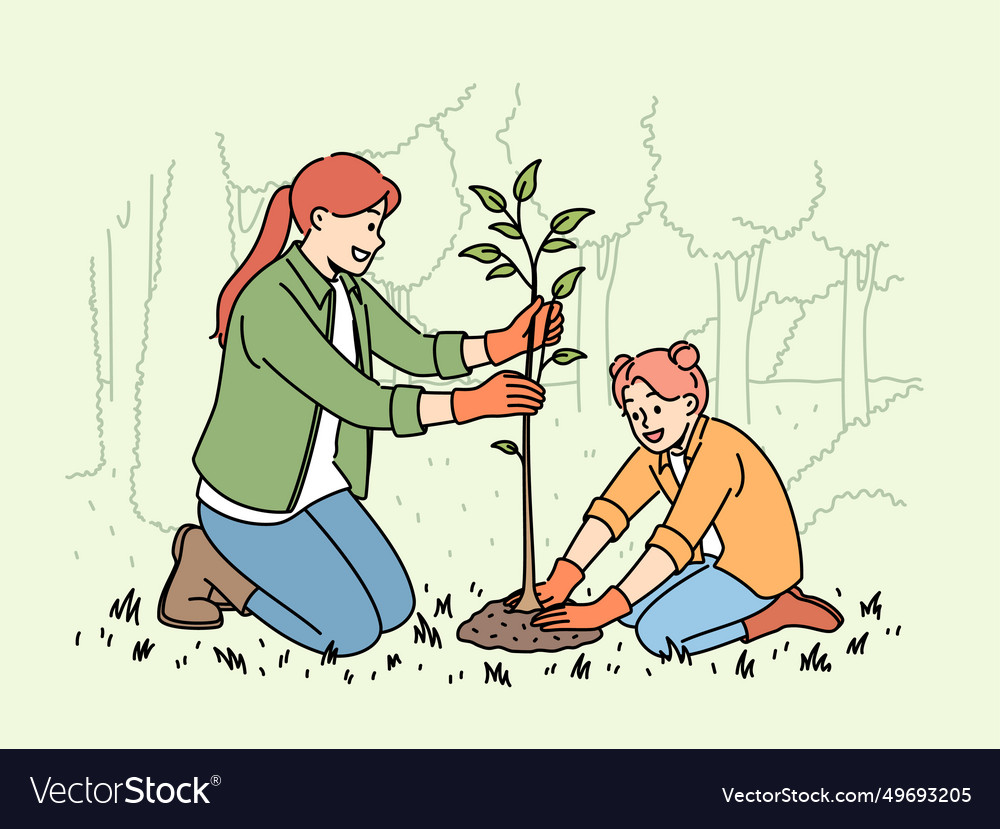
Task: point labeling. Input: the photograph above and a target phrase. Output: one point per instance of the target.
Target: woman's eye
(656, 409)
(371, 226)
(635, 415)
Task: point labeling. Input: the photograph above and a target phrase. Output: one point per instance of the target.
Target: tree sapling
(497, 625)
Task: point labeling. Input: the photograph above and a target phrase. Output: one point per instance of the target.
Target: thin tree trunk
(859, 281)
(121, 311)
(608, 279)
(130, 289)
(595, 339)
(736, 304)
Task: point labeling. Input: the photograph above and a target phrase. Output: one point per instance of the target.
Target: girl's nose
(644, 423)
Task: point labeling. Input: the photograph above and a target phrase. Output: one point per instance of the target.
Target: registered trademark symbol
(216, 780)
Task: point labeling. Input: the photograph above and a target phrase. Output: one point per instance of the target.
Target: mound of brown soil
(497, 626)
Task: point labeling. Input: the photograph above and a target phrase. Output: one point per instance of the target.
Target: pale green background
(99, 96)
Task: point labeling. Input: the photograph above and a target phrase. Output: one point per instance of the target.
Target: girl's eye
(635, 415)
(371, 226)
(656, 409)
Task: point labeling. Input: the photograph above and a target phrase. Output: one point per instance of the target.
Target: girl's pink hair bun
(684, 355)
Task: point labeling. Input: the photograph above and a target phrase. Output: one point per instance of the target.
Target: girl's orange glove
(508, 342)
(505, 393)
(612, 605)
(556, 588)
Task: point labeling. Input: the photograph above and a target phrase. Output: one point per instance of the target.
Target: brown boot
(792, 609)
(199, 537)
(198, 568)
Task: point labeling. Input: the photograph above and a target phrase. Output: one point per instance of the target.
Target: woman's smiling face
(657, 423)
(348, 243)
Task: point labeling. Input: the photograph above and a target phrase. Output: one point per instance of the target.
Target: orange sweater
(729, 483)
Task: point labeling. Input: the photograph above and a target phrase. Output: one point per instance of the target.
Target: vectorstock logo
(130, 791)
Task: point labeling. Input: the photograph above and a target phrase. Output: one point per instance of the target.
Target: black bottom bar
(496, 787)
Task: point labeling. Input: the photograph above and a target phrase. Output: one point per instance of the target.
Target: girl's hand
(611, 606)
(511, 341)
(505, 393)
(556, 588)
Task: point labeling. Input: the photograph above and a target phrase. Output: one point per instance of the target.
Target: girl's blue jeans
(327, 578)
(695, 610)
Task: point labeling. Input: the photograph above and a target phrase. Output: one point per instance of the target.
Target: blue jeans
(326, 578)
(695, 610)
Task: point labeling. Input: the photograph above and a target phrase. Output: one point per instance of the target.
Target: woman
(285, 456)
(726, 562)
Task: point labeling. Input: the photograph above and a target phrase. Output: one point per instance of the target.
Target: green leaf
(505, 446)
(556, 245)
(482, 253)
(565, 356)
(524, 187)
(507, 229)
(490, 198)
(501, 271)
(565, 284)
(567, 221)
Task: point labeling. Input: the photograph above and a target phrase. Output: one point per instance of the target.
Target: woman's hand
(556, 588)
(505, 393)
(611, 606)
(511, 341)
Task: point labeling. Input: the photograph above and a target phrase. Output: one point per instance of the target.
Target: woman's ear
(690, 403)
(317, 216)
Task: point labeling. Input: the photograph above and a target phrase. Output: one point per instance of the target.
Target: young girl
(725, 563)
(285, 456)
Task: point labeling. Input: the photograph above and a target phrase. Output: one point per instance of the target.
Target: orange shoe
(792, 609)
(797, 592)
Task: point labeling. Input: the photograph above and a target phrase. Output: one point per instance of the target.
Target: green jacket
(279, 369)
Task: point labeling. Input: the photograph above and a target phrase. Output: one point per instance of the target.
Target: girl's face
(347, 243)
(657, 423)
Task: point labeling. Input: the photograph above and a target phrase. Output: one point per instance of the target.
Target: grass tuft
(128, 606)
(443, 606)
(815, 661)
(874, 607)
(497, 674)
(329, 655)
(142, 650)
(232, 660)
(425, 633)
(581, 668)
(856, 646)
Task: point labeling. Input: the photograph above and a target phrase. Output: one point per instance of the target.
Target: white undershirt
(322, 477)
(711, 543)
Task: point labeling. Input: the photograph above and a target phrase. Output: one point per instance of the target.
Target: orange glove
(508, 342)
(505, 393)
(612, 605)
(556, 588)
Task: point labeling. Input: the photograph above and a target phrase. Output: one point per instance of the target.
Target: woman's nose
(644, 423)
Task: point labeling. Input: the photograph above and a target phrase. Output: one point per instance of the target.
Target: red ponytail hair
(342, 183)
